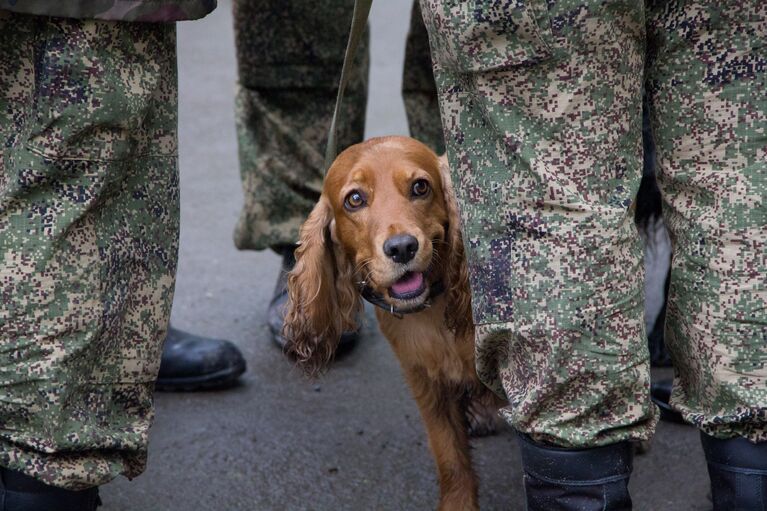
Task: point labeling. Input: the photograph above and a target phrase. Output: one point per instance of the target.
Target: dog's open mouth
(410, 285)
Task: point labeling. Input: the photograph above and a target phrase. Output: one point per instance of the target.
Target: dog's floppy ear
(322, 300)
(458, 311)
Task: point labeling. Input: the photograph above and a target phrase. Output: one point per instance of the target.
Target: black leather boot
(594, 479)
(191, 362)
(20, 492)
(738, 472)
(275, 315)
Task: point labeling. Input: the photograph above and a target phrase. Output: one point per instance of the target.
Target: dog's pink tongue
(407, 284)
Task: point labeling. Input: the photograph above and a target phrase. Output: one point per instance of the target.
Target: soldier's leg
(419, 92)
(708, 85)
(289, 58)
(88, 242)
(541, 104)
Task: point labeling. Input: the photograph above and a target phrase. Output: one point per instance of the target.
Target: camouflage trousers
(541, 103)
(89, 211)
(289, 56)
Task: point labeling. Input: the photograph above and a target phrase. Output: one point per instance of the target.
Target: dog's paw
(641, 447)
(482, 418)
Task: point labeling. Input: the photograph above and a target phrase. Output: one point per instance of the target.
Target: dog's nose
(401, 247)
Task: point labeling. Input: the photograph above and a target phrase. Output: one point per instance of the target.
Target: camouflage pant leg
(419, 92)
(289, 56)
(156, 11)
(88, 241)
(708, 87)
(542, 104)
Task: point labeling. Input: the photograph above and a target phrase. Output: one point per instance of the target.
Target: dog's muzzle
(378, 300)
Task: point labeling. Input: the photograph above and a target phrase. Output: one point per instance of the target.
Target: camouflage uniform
(289, 56)
(88, 237)
(541, 103)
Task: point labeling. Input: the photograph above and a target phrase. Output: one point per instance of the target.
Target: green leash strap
(359, 20)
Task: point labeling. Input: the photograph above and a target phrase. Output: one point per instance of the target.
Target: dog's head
(386, 220)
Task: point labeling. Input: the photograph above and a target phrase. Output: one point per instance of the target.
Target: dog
(386, 229)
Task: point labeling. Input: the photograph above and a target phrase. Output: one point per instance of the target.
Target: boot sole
(213, 381)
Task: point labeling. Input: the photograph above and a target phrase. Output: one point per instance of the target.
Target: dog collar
(378, 300)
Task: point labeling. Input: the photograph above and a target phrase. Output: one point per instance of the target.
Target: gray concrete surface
(353, 440)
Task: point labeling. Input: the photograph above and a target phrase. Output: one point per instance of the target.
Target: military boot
(594, 479)
(738, 472)
(20, 492)
(192, 362)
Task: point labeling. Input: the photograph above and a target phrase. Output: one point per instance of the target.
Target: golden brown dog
(386, 227)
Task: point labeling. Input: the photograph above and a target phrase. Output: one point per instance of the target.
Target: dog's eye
(354, 200)
(420, 188)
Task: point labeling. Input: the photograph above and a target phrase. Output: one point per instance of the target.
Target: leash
(359, 20)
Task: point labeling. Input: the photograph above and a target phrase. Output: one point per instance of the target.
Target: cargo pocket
(484, 35)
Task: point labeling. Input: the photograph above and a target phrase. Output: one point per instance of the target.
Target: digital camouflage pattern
(120, 10)
(289, 56)
(289, 59)
(541, 103)
(707, 82)
(89, 212)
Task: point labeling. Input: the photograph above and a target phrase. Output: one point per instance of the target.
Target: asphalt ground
(352, 440)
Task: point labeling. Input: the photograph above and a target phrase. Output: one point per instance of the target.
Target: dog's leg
(444, 414)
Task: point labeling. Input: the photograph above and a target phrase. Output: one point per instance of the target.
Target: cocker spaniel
(386, 229)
